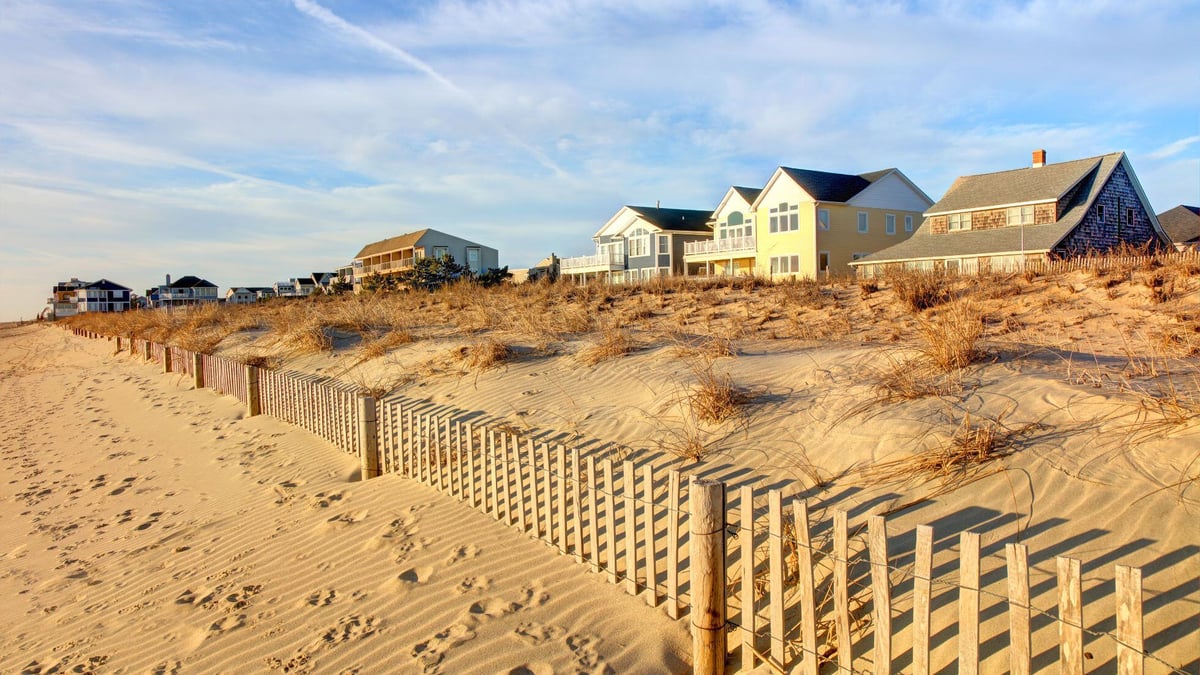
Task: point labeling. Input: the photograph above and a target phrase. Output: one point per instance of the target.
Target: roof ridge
(1097, 158)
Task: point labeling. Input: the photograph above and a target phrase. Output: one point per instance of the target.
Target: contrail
(337, 23)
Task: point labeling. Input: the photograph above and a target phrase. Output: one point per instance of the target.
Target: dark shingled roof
(393, 244)
(749, 194)
(1018, 186)
(824, 186)
(106, 285)
(1090, 174)
(690, 220)
(190, 281)
(1182, 224)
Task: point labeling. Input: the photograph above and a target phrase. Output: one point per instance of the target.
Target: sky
(250, 141)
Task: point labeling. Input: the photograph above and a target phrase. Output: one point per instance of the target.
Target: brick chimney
(1039, 158)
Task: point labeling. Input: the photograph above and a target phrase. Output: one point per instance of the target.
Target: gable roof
(688, 220)
(1016, 186)
(923, 244)
(190, 281)
(106, 285)
(1182, 224)
(392, 244)
(749, 194)
(824, 186)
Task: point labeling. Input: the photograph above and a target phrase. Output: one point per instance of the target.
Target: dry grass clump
(708, 347)
(803, 293)
(910, 379)
(377, 345)
(919, 291)
(484, 354)
(614, 342)
(957, 459)
(714, 398)
(951, 336)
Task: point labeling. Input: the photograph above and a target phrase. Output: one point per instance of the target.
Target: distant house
(640, 243)
(187, 290)
(1182, 225)
(246, 295)
(77, 297)
(322, 281)
(62, 299)
(546, 268)
(285, 289)
(397, 254)
(1002, 221)
(102, 296)
(304, 286)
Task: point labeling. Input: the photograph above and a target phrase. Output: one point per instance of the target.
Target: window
(1100, 212)
(908, 225)
(863, 226)
(664, 244)
(823, 219)
(959, 221)
(440, 252)
(784, 218)
(638, 243)
(1129, 216)
(785, 264)
(473, 259)
(823, 261)
(1020, 215)
(889, 223)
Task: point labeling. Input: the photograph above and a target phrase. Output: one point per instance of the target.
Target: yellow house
(813, 223)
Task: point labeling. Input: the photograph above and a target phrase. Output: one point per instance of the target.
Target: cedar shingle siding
(1093, 235)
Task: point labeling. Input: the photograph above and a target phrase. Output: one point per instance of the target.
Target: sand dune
(150, 528)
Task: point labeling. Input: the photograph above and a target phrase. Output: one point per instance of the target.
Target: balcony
(384, 267)
(711, 249)
(606, 261)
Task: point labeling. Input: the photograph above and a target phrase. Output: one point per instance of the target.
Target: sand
(1095, 471)
(145, 527)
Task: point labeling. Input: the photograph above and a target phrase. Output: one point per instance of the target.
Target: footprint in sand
(536, 633)
(473, 584)
(228, 623)
(429, 653)
(536, 668)
(125, 485)
(583, 647)
(345, 519)
(320, 598)
(150, 522)
(322, 500)
(462, 553)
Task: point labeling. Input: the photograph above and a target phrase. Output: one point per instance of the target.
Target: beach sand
(146, 527)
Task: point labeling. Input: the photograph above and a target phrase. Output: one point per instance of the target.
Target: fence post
(118, 344)
(368, 437)
(253, 403)
(145, 350)
(198, 370)
(167, 359)
(706, 522)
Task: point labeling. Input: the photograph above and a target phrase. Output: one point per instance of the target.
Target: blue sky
(251, 141)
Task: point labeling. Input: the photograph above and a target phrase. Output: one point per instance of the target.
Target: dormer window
(959, 222)
(1020, 215)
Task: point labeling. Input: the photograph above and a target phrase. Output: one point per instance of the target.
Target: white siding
(890, 192)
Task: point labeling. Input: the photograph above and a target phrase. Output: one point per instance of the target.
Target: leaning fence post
(706, 521)
(145, 350)
(368, 438)
(167, 359)
(198, 370)
(118, 344)
(253, 403)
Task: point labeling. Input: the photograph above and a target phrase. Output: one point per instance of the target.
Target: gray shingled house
(1002, 221)
(1182, 225)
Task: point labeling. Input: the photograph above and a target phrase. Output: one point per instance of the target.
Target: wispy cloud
(367, 39)
(1174, 148)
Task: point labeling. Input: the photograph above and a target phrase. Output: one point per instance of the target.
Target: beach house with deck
(639, 243)
(398, 254)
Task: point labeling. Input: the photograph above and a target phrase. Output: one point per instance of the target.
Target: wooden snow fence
(760, 579)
